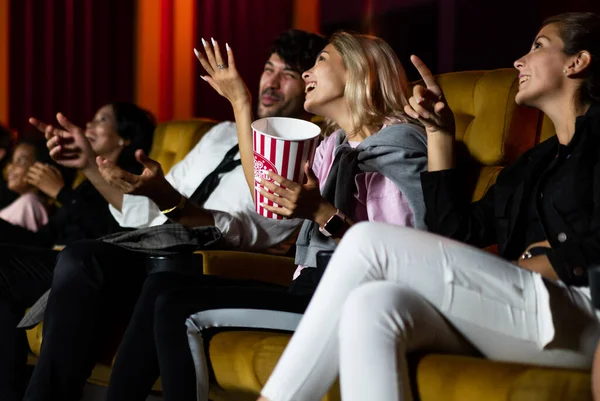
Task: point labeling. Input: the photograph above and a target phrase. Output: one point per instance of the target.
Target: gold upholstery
(240, 377)
(456, 378)
(249, 266)
(491, 129)
(173, 140)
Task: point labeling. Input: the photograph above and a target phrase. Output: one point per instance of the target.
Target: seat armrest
(250, 266)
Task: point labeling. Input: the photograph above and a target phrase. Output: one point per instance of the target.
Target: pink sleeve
(35, 215)
(324, 158)
(26, 211)
(384, 200)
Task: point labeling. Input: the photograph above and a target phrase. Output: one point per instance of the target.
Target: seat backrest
(174, 139)
(491, 129)
(494, 130)
(547, 129)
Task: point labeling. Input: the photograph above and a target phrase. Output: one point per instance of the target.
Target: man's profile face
(281, 90)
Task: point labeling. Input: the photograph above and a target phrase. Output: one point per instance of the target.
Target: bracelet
(526, 255)
(535, 251)
(178, 206)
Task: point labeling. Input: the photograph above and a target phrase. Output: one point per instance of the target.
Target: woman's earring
(564, 71)
(121, 142)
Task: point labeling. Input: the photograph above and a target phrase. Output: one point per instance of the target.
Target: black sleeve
(65, 195)
(84, 215)
(449, 214)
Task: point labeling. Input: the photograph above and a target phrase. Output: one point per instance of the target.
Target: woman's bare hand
(46, 178)
(222, 75)
(428, 105)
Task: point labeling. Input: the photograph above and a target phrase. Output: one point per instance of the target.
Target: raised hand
(428, 105)
(223, 76)
(46, 178)
(150, 183)
(68, 146)
(297, 200)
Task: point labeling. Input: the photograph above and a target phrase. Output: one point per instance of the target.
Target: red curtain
(71, 56)
(250, 28)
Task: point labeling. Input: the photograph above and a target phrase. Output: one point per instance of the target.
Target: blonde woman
(367, 170)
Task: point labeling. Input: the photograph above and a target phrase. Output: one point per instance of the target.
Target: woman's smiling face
(102, 132)
(541, 70)
(23, 157)
(325, 83)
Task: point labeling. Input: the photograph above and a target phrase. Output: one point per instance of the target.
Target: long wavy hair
(377, 87)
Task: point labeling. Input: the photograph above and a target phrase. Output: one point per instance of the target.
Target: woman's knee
(377, 306)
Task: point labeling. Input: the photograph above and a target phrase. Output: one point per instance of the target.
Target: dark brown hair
(136, 125)
(579, 32)
(298, 49)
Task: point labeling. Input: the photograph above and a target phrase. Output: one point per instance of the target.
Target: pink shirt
(377, 198)
(26, 211)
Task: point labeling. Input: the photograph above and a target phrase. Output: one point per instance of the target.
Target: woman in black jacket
(116, 131)
(392, 290)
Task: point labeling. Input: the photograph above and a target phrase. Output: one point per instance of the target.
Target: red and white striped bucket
(282, 145)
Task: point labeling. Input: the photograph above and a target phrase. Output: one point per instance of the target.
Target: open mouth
(524, 79)
(90, 137)
(310, 86)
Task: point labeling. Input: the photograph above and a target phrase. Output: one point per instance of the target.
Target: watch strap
(334, 225)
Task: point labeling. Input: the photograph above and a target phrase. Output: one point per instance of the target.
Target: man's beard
(270, 112)
(273, 110)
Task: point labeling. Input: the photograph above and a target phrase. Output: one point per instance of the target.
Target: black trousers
(12, 234)
(25, 274)
(156, 339)
(94, 290)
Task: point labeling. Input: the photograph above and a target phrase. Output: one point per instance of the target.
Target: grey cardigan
(399, 152)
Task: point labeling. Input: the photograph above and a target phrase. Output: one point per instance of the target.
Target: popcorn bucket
(282, 145)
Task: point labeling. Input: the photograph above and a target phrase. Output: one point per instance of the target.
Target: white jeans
(389, 290)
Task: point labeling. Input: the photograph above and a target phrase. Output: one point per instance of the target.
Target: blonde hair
(377, 88)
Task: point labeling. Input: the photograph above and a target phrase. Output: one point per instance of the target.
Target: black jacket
(84, 215)
(568, 207)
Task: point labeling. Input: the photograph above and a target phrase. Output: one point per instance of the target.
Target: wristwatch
(335, 224)
(175, 211)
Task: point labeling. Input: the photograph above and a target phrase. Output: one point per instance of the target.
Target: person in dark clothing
(26, 270)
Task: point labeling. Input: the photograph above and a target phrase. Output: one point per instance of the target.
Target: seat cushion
(243, 360)
(456, 378)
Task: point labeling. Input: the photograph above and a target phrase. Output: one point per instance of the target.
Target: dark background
(76, 55)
